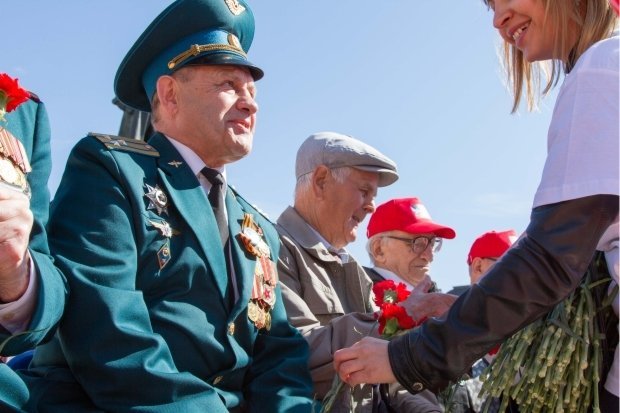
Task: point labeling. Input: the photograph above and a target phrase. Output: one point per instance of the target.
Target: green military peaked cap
(217, 32)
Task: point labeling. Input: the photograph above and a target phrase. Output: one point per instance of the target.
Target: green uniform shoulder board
(125, 144)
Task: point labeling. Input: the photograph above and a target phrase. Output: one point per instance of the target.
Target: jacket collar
(298, 229)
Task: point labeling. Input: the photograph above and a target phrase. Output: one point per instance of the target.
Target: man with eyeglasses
(402, 241)
(327, 294)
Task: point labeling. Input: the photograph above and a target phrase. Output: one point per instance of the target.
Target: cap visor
(386, 176)
(227, 59)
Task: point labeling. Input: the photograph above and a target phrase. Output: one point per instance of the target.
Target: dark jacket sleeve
(544, 267)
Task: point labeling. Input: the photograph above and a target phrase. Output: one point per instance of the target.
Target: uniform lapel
(190, 200)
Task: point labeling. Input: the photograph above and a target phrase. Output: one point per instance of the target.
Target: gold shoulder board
(125, 144)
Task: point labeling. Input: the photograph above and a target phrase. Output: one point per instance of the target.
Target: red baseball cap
(491, 244)
(408, 215)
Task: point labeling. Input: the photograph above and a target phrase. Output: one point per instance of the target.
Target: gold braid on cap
(197, 49)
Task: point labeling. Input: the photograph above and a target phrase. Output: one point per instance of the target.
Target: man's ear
(167, 93)
(320, 177)
(476, 267)
(376, 249)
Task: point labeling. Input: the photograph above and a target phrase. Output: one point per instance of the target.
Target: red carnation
(394, 318)
(11, 94)
(388, 292)
(494, 350)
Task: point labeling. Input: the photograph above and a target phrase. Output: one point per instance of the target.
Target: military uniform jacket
(29, 123)
(150, 324)
(328, 301)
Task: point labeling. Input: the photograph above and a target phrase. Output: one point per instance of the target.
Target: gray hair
(304, 182)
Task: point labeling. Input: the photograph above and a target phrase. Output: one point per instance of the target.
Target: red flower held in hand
(394, 318)
(11, 94)
(388, 292)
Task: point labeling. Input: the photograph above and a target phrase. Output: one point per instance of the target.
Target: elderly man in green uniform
(174, 303)
(32, 290)
(327, 294)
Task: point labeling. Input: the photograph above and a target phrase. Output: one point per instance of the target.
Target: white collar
(389, 275)
(193, 161)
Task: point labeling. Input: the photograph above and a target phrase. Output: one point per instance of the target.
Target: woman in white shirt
(575, 210)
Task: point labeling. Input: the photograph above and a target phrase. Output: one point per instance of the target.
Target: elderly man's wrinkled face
(217, 112)
(347, 204)
(401, 259)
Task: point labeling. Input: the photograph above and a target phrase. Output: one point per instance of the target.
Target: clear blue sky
(419, 80)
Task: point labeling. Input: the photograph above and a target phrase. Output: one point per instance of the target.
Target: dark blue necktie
(217, 199)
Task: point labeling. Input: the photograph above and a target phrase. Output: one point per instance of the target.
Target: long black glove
(542, 269)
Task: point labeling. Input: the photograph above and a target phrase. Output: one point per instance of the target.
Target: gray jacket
(327, 300)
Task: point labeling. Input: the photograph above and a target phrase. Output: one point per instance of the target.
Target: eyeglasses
(419, 244)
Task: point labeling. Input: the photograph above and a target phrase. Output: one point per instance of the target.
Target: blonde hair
(593, 19)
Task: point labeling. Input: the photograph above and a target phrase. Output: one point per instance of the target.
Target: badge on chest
(263, 296)
(14, 165)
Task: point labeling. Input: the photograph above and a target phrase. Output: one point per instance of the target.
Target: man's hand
(15, 226)
(421, 304)
(364, 362)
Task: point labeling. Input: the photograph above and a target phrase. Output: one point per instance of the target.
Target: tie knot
(213, 176)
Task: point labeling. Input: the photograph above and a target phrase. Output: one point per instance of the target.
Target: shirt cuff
(15, 316)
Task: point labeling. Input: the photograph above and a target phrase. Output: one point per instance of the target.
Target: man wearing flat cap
(326, 292)
(175, 303)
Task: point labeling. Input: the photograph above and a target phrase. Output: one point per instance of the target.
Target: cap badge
(235, 7)
(157, 199)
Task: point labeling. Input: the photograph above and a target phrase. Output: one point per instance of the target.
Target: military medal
(263, 296)
(14, 165)
(164, 228)
(157, 199)
(163, 255)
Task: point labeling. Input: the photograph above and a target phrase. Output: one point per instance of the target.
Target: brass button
(217, 379)
(417, 387)
(231, 329)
